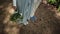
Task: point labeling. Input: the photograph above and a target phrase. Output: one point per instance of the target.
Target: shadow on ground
(46, 22)
(1, 24)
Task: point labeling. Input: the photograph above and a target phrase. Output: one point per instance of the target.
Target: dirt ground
(48, 22)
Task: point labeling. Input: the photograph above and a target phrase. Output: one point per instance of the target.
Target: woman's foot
(33, 19)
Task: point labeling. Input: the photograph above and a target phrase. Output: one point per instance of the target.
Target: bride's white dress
(27, 8)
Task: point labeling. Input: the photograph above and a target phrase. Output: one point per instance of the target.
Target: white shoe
(25, 23)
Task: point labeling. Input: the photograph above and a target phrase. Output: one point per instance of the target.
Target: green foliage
(16, 16)
(55, 3)
(59, 8)
(51, 1)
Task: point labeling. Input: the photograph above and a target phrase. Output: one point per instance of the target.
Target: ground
(48, 22)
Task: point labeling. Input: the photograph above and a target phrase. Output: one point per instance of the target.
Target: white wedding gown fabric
(27, 8)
